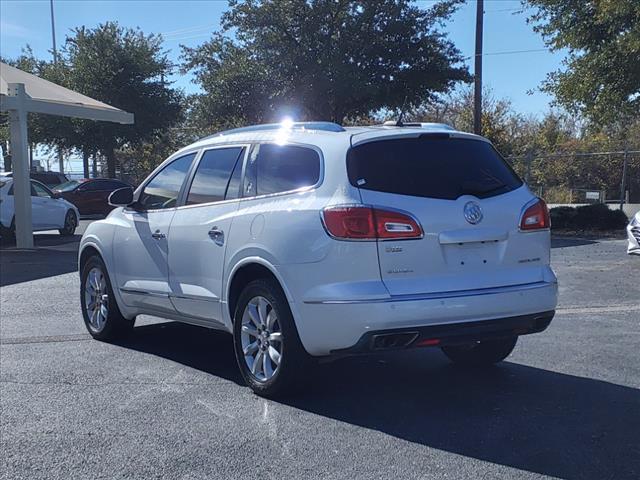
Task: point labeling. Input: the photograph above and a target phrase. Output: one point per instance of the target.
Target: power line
(511, 52)
(575, 154)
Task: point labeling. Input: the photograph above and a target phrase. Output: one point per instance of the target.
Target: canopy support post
(21, 167)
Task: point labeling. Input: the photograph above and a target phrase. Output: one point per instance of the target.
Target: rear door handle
(217, 235)
(158, 235)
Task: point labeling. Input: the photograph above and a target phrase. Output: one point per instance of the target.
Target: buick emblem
(472, 213)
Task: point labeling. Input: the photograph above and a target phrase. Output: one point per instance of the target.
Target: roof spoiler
(428, 125)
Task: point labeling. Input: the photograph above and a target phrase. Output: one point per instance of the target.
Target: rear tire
(481, 353)
(70, 224)
(100, 311)
(268, 350)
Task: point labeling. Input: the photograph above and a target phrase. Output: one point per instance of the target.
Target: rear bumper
(333, 327)
(449, 334)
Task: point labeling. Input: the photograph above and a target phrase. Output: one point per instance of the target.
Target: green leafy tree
(501, 124)
(601, 77)
(126, 69)
(322, 60)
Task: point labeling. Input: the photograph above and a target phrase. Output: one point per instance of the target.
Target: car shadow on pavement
(204, 349)
(53, 255)
(510, 414)
(563, 242)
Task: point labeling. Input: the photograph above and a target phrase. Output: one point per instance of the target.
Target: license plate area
(473, 255)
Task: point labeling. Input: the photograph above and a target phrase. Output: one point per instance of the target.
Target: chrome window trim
(438, 295)
(199, 152)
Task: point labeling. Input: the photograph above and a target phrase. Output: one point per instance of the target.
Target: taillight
(535, 217)
(369, 223)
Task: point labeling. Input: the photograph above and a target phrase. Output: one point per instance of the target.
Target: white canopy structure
(22, 93)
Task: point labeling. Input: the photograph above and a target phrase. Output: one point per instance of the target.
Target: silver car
(633, 231)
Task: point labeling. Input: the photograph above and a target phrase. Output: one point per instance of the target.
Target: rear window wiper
(478, 191)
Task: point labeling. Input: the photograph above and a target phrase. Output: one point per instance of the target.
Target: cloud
(12, 30)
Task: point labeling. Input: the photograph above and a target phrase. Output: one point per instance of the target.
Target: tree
(501, 124)
(126, 69)
(322, 60)
(601, 78)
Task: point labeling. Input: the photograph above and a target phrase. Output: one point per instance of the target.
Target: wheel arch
(245, 271)
(86, 252)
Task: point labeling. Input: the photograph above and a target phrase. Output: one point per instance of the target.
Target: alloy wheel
(261, 339)
(70, 222)
(96, 299)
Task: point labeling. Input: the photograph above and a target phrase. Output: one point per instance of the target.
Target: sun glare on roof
(287, 122)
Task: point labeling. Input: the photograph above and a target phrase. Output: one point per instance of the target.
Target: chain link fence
(567, 178)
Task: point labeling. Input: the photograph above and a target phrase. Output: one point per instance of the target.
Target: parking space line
(599, 309)
(45, 339)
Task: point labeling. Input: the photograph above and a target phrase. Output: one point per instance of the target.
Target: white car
(48, 210)
(313, 240)
(633, 232)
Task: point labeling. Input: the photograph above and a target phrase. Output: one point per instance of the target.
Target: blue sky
(190, 23)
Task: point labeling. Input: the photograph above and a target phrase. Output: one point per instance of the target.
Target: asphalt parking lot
(169, 402)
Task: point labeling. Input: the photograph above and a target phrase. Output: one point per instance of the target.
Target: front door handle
(158, 235)
(217, 235)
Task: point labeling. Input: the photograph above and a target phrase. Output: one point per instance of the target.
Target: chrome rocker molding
(438, 295)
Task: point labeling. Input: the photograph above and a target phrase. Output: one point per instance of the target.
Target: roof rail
(442, 126)
(323, 126)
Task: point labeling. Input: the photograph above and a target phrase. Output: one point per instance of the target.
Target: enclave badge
(472, 213)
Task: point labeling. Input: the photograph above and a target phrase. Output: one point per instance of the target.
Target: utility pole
(55, 61)
(477, 97)
(53, 34)
(623, 184)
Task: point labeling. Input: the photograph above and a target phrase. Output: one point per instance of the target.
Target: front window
(163, 189)
(39, 190)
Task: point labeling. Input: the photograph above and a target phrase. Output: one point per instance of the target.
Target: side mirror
(123, 197)
(56, 195)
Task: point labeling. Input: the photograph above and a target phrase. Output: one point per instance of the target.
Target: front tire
(482, 353)
(268, 350)
(100, 311)
(8, 234)
(70, 224)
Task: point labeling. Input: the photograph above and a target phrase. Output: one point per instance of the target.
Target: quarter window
(281, 168)
(163, 189)
(213, 176)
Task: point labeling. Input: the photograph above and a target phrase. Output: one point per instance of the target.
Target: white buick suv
(313, 240)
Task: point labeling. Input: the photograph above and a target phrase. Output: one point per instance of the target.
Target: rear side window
(280, 168)
(434, 167)
(93, 186)
(114, 185)
(213, 175)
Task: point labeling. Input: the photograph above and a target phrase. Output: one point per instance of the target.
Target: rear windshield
(434, 167)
